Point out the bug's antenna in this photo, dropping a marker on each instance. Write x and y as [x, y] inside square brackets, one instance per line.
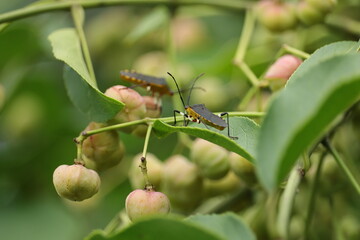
[192, 87]
[177, 86]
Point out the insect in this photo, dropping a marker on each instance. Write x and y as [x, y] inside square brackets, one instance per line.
[154, 84]
[200, 114]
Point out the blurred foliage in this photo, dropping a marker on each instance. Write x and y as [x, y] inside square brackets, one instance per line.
[38, 121]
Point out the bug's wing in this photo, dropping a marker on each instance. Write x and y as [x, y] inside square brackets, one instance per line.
[208, 115]
[138, 77]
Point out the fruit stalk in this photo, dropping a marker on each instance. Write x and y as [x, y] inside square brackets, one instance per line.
[342, 164]
[143, 158]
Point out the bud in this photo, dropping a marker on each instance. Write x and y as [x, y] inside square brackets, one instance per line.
[276, 16]
[134, 104]
[211, 159]
[76, 182]
[243, 168]
[182, 183]
[141, 203]
[103, 150]
[280, 71]
[154, 171]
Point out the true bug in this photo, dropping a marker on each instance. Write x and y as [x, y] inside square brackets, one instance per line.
[200, 114]
[154, 84]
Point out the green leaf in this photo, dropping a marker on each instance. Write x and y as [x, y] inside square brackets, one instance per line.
[82, 91]
[229, 226]
[93, 103]
[66, 47]
[324, 53]
[245, 129]
[160, 228]
[155, 19]
[301, 113]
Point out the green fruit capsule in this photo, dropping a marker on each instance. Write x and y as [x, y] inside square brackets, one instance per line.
[211, 159]
[276, 16]
[243, 168]
[153, 110]
[76, 182]
[309, 14]
[228, 184]
[142, 203]
[323, 5]
[103, 150]
[134, 109]
[182, 183]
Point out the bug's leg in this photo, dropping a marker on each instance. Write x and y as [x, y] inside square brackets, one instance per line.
[228, 123]
[176, 111]
[183, 114]
[186, 119]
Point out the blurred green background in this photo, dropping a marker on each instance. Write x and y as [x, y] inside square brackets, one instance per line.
[38, 122]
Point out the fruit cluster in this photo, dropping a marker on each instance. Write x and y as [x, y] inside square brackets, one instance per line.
[279, 16]
[209, 171]
[103, 150]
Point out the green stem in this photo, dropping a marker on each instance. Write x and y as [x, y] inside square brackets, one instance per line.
[79, 159]
[143, 158]
[66, 5]
[344, 22]
[311, 206]
[295, 51]
[86, 134]
[113, 224]
[286, 203]
[78, 15]
[342, 164]
[249, 73]
[246, 33]
[246, 99]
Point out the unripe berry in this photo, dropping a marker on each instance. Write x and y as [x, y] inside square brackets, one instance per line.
[281, 70]
[154, 171]
[323, 5]
[134, 104]
[182, 183]
[276, 16]
[141, 203]
[103, 150]
[243, 168]
[309, 14]
[211, 159]
[76, 182]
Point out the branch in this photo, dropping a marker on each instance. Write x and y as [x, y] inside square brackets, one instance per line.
[66, 5]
